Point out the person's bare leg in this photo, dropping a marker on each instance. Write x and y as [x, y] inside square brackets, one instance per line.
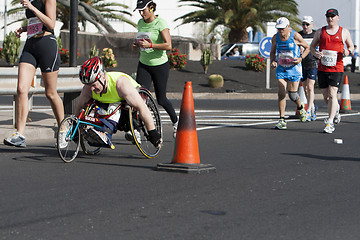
[333, 103]
[310, 93]
[282, 96]
[50, 82]
[26, 73]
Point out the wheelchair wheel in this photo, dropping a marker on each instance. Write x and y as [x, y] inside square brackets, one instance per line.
[85, 146]
[68, 139]
[137, 126]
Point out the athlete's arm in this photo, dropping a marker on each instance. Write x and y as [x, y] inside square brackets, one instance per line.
[84, 97]
[315, 43]
[165, 34]
[301, 42]
[166, 45]
[347, 41]
[273, 63]
[132, 97]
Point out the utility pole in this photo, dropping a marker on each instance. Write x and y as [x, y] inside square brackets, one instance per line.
[70, 99]
[73, 32]
[5, 18]
[357, 24]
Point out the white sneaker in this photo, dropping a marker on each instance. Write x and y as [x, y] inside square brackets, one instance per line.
[329, 128]
[63, 143]
[337, 117]
[129, 136]
[175, 125]
[99, 137]
[16, 140]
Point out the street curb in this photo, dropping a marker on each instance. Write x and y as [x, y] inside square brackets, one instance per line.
[240, 96]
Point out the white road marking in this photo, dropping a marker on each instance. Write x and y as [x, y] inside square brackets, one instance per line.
[213, 119]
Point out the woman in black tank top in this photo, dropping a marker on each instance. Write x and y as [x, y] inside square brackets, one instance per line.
[40, 50]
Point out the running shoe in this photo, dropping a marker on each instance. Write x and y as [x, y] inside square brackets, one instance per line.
[99, 137]
[175, 125]
[281, 124]
[129, 136]
[308, 117]
[313, 113]
[63, 143]
[16, 140]
[337, 117]
[329, 128]
[302, 113]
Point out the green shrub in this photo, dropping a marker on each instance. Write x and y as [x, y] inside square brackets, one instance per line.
[11, 48]
[176, 59]
[108, 58]
[59, 43]
[206, 59]
[64, 55]
[94, 52]
[255, 62]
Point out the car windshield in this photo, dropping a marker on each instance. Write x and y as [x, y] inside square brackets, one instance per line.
[225, 48]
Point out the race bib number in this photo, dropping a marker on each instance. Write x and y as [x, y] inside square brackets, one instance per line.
[329, 58]
[141, 36]
[34, 27]
[286, 59]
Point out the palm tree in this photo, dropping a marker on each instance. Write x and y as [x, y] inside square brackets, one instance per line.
[93, 11]
[237, 15]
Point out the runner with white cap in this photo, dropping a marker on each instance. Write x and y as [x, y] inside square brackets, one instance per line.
[285, 56]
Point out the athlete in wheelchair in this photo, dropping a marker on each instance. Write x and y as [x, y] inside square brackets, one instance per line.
[110, 90]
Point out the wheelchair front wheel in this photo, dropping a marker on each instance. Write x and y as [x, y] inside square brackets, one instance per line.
[87, 148]
[68, 139]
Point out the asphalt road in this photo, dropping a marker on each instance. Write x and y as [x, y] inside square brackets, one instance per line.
[269, 184]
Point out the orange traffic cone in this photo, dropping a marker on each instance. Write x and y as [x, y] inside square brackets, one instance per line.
[186, 154]
[345, 104]
[303, 98]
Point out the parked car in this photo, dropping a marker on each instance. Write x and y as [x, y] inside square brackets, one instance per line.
[347, 64]
[243, 48]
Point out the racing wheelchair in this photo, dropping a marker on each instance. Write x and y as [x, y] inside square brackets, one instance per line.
[73, 131]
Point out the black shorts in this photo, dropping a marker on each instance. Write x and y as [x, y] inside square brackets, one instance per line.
[326, 79]
[309, 74]
[42, 52]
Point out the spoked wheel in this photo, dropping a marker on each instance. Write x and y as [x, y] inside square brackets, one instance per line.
[137, 126]
[68, 139]
[87, 148]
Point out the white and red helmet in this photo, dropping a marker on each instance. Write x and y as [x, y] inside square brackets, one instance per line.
[91, 70]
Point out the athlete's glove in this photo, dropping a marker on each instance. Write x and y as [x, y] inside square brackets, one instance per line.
[155, 138]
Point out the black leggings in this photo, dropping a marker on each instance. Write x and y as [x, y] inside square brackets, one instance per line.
[159, 76]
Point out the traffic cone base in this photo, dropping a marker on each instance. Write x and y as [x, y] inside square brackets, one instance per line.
[186, 168]
[345, 104]
[186, 151]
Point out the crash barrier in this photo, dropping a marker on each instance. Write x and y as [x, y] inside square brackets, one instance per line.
[68, 83]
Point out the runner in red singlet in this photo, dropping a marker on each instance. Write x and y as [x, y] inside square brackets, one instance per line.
[331, 40]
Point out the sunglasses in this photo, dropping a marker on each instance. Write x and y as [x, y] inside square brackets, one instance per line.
[330, 16]
[306, 24]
